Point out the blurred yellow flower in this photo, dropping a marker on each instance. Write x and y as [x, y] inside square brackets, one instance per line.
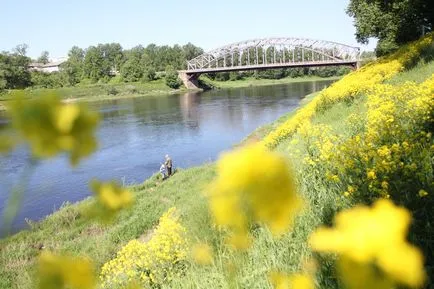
[423, 193]
[240, 240]
[301, 281]
[374, 235]
[202, 254]
[51, 127]
[56, 272]
[279, 280]
[296, 281]
[253, 185]
[110, 197]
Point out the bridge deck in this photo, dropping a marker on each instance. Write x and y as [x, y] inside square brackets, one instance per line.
[270, 66]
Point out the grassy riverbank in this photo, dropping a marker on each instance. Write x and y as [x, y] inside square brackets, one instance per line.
[95, 92]
[338, 119]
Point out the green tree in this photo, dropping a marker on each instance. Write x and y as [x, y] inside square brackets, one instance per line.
[48, 80]
[44, 58]
[3, 82]
[113, 56]
[393, 22]
[72, 69]
[93, 65]
[21, 49]
[172, 79]
[190, 51]
[131, 71]
[149, 73]
[14, 72]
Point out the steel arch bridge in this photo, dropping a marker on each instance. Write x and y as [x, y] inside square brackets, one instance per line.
[270, 53]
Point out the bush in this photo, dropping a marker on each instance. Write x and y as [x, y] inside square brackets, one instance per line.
[149, 74]
[115, 80]
[235, 76]
[131, 89]
[172, 79]
[131, 71]
[111, 90]
[223, 76]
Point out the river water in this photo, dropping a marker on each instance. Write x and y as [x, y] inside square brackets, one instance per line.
[137, 133]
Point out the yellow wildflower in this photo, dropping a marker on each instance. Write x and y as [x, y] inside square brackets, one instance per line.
[57, 272]
[334, 178]
[374, 235]
[296, 281]
[253, 185]
[350, 86]
[371, 175]
[240, 240]
[51, 127]
[302, 281]
[110, 197]
[152, 263]
[202, 254]
[423, 193]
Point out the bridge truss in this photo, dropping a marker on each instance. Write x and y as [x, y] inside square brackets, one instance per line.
[268, 53]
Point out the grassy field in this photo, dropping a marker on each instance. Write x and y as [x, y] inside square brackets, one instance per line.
[68, 231]
[103, 91]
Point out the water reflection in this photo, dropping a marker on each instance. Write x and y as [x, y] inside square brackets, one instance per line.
[188, 104]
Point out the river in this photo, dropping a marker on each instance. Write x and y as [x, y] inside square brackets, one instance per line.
[137, 133]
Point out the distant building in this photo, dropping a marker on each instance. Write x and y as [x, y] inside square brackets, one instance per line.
[52, 66]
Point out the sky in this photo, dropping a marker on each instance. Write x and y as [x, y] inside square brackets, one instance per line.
[56, 26]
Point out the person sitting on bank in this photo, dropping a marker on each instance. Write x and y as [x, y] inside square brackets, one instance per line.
[168, 165]
[163, 171]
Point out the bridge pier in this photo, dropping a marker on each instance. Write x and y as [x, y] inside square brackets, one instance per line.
[190, 80]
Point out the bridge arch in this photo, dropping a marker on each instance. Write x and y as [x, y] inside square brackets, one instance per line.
[271, 53]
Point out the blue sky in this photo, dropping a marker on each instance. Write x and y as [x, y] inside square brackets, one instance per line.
[56, 26]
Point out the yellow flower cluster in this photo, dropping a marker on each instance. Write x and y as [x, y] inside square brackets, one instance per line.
[110, 199]
[296, 281]
[152, 263]
[350, 86]
[364, 237]
[393, 151]
[253, 185]
[202, 254]
[51, 127]
[56, 272]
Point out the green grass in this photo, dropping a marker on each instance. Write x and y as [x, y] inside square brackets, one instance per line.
[417, 74]
[104, 91]
[68, 231]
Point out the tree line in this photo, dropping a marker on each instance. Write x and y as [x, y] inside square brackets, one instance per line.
[109, 62]
[96, 64]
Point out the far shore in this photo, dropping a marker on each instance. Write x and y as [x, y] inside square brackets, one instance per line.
[98, 92]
